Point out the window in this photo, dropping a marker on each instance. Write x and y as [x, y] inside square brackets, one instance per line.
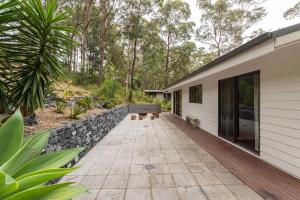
[196, 94]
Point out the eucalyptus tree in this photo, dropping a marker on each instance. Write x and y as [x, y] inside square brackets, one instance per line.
[151, 71]
[225, 22]
[107, 18]
[76, 9]
[172, 18]
[293, 12]
[135, 12]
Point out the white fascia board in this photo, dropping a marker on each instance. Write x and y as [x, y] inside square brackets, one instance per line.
[254, 53]
[287, 39]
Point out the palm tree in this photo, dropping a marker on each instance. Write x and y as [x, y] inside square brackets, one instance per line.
[34, 43]
[6, 17]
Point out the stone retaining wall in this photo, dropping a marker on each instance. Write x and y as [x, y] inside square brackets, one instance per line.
[86, 132]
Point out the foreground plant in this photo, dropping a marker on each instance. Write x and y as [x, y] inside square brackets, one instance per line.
[24, 172]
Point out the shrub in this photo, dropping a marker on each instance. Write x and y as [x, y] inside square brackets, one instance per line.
[84, 79]
[86, 102]
[76, 110]
[68, 93]
[166, 105]
[24, 172]
[108, 104]
[141, 97]
[60, 106]
[109, 90]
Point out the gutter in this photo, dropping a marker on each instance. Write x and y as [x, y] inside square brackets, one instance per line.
[245, 47]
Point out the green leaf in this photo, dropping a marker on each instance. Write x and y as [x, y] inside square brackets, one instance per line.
[7, 184]
[53, 192]
[11, 136]
[51, 160]
[42, 176]
[29, 151]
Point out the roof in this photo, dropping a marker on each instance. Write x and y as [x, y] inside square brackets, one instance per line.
[249, 45]
[154, 91]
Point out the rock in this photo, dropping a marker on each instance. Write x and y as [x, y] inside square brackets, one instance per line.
[86, 132]
[99, 105]
[30, 120]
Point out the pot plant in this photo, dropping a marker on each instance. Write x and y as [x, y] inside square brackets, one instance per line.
[25, 172]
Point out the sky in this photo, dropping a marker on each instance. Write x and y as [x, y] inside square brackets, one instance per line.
[273, 21]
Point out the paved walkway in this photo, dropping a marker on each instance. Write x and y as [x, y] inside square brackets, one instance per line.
[149, 160]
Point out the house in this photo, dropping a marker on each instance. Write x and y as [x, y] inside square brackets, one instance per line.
[159, 94]
[250, 98]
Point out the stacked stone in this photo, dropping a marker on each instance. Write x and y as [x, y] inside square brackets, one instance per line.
[85, 132]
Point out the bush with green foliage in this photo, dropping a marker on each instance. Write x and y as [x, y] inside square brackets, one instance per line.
[60, 106]
[165, 105]
[68, 93]
[141, 97]
[36, 39]
[108, 104]
[24, 172]
[84, 79]
[109, 90]
[76, 111]
[86, 102]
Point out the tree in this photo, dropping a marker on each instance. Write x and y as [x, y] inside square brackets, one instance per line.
[7, 16]
[224, 23]
[174, 29]
[134, 21]
[151, 71]
[108, 14]
[293, 12]
[33, 48]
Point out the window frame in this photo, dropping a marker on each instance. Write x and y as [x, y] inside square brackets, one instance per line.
[193, 97]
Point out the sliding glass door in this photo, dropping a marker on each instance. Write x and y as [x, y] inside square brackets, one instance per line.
[177, 103]
[227, 111]
[239, 110]
[248, 111]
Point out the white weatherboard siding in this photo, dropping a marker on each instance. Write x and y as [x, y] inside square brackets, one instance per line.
[207, 112]
[280, 112]
[279, 105]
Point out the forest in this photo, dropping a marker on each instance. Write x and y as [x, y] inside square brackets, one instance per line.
[148, 44]
[114, 45]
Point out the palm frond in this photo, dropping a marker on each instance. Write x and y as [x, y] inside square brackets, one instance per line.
[35, 42]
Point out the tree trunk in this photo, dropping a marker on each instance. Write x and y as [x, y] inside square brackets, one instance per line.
[82, 63]
[133, 68]
[103, 31]
[167, 62]
[102, 58]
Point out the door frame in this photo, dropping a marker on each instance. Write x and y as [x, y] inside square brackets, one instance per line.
[236, 110]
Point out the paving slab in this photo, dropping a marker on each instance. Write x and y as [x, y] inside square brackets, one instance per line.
[153, 160]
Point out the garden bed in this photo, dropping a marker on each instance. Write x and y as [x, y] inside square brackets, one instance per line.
[48, 119]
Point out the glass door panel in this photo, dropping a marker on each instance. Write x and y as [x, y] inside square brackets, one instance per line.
[177, 106]
[227, 109]
[248, 111]
[239, 110]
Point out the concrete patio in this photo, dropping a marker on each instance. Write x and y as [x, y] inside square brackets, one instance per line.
[153, 159]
